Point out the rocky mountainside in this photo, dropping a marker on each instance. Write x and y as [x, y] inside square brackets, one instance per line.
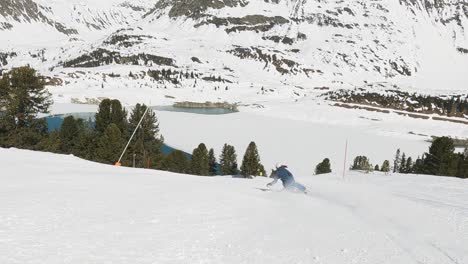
[273, 46]
[71, 18]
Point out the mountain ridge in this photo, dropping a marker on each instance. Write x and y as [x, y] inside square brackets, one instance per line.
[412, 44]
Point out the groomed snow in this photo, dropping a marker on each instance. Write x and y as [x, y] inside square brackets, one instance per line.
[60, 209]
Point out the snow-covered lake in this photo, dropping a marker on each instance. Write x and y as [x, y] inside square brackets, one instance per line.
[299, 134]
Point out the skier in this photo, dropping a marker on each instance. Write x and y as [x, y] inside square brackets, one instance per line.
[287, 178]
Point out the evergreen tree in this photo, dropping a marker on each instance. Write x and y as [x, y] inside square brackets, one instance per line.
[146, 144]
[418, 166]
[176, 161]
[200, 163]
[323, 167]
[111, 112]
[409, 165]
[87, 142]
[361, 163]
[463, 169]
[70, 133]
[386, 166]
[50, 142]
[228, 160]
[118, 115]
[251, 165]
[109, 145]
[25, 137]
[441, 158]
[402, 166]
[396, 162]
[377, 168]
[103, 115]
[22, 96]
[212, 163]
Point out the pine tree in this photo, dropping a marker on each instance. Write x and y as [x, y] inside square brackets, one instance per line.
[111, 112]
[70, 132]
[396, 162]
[409, 165]
[361, 163]
[323, 167]
[377, 168]
[441, 158]
[212, 163]
[176, 161]
[87, 144]
[200, 164]
[23, 96]
[50, 143]
[103, 119]
[463, 169]
[386, 166]
[251, 165]
[109, 145]
[25, 137]
[119, 115]
[146, 144]
[418, 166]
[402, 166]
[228, 160]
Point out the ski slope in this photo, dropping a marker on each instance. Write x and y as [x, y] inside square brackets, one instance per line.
[60, 209]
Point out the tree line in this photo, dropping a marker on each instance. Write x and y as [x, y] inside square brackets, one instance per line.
[204, 162]
[456, 105]
[440, 160]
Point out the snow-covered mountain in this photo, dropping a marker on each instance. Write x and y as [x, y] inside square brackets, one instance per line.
[249, 47]
[75, 19]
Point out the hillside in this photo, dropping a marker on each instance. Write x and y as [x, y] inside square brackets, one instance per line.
[58, 208]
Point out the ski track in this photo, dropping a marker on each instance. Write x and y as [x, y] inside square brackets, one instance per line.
[400, 235]
[60, 209]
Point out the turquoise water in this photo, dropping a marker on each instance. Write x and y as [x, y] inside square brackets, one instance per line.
[54, 123]
[201, 111]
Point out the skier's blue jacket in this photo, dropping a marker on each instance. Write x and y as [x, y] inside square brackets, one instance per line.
[285, 176]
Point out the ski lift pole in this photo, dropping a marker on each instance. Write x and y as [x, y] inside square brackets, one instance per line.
[130, 140]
